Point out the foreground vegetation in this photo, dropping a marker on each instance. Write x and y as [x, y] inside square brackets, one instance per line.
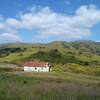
[48, 86]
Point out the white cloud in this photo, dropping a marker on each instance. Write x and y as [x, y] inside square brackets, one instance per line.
[2, 26]
[49, 23]
[8, 37]
[10, 22]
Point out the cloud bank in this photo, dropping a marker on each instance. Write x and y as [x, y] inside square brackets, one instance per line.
[49, 24]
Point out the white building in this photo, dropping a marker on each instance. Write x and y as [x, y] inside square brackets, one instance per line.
[37, 66]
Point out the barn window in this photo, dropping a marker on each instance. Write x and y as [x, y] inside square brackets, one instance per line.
[35, 68]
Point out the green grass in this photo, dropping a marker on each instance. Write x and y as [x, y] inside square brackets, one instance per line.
[69, 52]
[87, 58]
[16, 56]
[48, 86]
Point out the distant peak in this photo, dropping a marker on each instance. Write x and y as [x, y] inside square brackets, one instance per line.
[86, 41]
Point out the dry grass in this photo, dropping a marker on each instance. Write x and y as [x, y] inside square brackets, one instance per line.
[52, 86]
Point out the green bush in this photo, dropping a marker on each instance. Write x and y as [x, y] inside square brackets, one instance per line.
[76, 68]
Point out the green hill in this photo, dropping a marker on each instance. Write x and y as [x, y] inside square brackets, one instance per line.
[83, 54]
[68, 51]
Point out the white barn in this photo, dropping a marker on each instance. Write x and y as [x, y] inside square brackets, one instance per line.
[37, 66]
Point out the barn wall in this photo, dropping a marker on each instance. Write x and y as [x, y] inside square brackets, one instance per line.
[36, 69]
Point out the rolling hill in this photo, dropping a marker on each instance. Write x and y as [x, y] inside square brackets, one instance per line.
[82, 56]
[82, 50]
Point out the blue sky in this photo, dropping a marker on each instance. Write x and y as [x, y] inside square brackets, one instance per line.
[49, 20]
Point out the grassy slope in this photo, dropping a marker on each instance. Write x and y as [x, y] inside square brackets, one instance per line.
[49, 86]
[63, 47]
[84, 57]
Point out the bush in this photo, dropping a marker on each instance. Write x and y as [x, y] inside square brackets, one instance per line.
[21, 54]
[7, 69]
[19, 69]
[58, 67]
[11, 69]
[41, 52]
[76, 68]
[54, 53]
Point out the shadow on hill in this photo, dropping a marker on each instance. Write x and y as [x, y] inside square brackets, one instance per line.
[54, 56]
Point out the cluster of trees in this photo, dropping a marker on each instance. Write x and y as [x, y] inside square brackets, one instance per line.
[6, 51]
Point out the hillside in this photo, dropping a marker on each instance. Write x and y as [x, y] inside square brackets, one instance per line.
[12, 52]
[83, 54]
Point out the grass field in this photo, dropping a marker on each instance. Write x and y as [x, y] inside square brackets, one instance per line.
[48, 86]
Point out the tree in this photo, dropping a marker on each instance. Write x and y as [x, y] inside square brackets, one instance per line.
[55, 53]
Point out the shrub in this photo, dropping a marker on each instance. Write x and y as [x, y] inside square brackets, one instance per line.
[54, 53]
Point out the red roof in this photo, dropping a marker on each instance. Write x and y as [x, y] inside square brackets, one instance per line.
[36, 64]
